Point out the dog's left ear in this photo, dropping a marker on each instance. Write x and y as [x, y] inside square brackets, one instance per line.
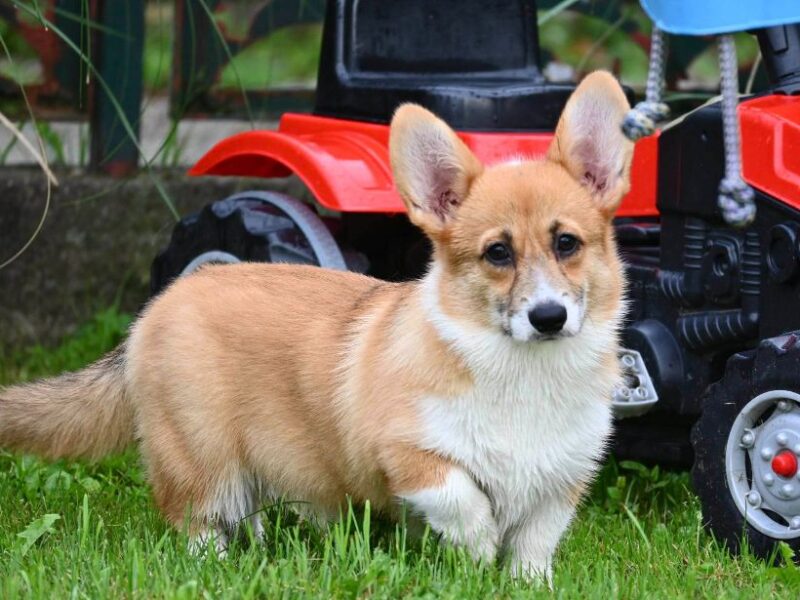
[589, 142]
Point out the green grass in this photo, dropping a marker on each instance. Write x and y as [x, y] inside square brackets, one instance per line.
[71, 529]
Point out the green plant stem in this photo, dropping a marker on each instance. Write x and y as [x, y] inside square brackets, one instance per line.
[117, 108]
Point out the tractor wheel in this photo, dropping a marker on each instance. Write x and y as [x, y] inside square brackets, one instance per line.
[747, 445]
[251, 226]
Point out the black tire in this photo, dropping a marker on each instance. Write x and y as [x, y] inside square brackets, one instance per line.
[252, 226]
[774, 365]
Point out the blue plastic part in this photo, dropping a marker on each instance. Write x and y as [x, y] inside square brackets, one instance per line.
[712, 17]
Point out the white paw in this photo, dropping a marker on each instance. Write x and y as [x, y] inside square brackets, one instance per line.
[480, 538]
[533, 571]
[211, 537]
[460, 512]
[258, 527]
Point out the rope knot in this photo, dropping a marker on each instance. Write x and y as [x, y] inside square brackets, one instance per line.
[642, 119]
[737, 202]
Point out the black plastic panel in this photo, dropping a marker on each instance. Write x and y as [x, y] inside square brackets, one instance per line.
[474, 63]
[734, 287]
[440, 38]
[780, 47]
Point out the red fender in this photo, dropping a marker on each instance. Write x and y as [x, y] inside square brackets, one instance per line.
[345, 164]
[771, 146]
[346, 168]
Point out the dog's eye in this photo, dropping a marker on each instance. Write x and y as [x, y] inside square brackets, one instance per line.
[498, 254]
[566, 245]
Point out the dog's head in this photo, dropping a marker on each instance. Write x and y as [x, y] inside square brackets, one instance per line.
[526, 247]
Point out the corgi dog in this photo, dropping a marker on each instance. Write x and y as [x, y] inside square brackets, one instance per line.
[478, 398]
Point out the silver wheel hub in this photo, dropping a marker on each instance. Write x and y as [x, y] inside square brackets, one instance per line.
[210, 257]
[761, 463]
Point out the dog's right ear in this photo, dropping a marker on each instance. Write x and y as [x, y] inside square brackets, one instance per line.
[433, 169]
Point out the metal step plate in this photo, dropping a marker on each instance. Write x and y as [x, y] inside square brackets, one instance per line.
[636, 393]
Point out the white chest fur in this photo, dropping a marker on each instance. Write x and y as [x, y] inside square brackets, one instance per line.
[521, 440]
[536, 420]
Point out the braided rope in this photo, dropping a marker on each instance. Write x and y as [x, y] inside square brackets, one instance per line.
[642, 119]
[736, 198]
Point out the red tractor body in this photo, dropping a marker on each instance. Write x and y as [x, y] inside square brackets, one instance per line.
[345, 164]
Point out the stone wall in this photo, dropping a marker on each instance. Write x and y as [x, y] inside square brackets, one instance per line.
[95, 247]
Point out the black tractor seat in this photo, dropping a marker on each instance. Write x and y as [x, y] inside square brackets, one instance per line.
[474, 63]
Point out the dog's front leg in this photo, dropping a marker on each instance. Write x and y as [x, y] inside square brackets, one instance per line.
[448, 498]
[533, 541]
[460, 512]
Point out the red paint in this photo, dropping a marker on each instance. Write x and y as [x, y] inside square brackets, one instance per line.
[785, 464]
[345, 164]
[641, 200]
[771, 146]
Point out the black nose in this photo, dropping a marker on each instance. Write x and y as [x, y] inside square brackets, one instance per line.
[548, 317]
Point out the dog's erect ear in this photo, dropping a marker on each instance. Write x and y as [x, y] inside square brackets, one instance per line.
[590, 144]
[433, 169]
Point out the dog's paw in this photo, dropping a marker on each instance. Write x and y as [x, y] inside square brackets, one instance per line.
[535, 572]
[460, 513]
[209, 540]
[481, 541]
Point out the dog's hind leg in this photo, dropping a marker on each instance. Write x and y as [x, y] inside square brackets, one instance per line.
[257, 525]
[234, 501]
[209, 537]
[211, 499]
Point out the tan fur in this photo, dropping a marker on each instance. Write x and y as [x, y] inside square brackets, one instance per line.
[306, 380]
[577, 492]
[85, 414]
[250, 393]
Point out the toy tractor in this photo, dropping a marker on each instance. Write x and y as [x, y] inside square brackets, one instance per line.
[712, 340]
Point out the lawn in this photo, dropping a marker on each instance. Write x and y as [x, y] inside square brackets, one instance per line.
[90, 530]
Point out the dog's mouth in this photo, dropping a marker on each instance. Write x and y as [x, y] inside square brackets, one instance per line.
[552, 337]
[548, 337]
[537, 337]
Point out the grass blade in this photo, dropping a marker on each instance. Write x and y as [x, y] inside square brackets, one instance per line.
[117, 108]
[40, 160]
[637, 525]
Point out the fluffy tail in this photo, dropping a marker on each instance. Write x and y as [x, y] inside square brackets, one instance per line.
[83, 414]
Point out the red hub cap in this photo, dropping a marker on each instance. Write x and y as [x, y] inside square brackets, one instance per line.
[785, 464]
